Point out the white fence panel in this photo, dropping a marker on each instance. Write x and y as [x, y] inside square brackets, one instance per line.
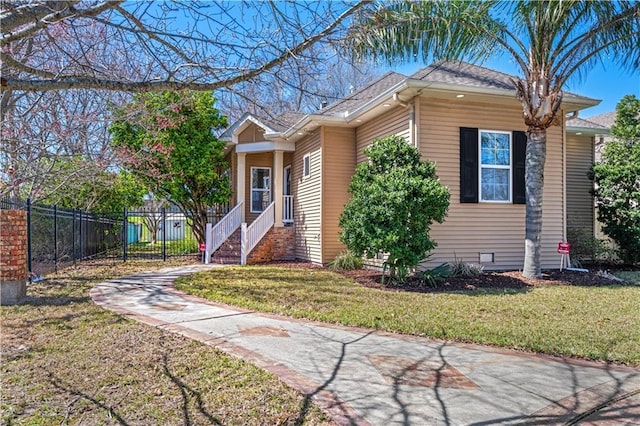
[287, 214]
[218, 234]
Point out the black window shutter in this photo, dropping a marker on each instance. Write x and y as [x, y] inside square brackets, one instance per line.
[468, 165]
[519, 155]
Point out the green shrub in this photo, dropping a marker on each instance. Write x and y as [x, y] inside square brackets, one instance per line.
[617, 182]
[346, 261]
[585, 248]
[395, 197]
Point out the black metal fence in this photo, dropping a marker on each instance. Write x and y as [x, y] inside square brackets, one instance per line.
[59, 237]
[159, 233]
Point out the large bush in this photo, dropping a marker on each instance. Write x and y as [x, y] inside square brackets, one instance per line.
[617, 182]
[395, 199]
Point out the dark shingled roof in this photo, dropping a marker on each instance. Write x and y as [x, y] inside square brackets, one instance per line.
[363, 95]
[451, 72]
[283, 121]
[448, 72]
[605, 120]
[584, 124]
[465, 74]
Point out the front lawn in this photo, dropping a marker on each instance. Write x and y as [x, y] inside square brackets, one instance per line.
[599, 323]
[66, 360]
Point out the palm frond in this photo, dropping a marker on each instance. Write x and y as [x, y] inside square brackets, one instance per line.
[407, 31]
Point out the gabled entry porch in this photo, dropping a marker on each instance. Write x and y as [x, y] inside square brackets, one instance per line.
[258, 227]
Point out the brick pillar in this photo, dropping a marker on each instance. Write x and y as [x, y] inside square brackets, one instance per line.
[13, 256]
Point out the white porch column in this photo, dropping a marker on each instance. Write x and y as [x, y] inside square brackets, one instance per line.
[241, 172]
[278, 163]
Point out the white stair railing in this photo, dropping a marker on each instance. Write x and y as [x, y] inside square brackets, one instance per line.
[251, 235]
[217, 234]
[287, 213]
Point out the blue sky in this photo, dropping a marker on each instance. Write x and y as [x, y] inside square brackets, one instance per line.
[605, 82]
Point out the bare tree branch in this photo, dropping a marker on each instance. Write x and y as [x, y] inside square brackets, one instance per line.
[222, 44]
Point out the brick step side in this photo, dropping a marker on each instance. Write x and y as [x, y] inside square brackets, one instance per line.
[277, 244]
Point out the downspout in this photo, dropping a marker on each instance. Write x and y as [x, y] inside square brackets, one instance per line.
[417, 120]
[413, 137]
[397, 100]
[412, 124]
[564, 176]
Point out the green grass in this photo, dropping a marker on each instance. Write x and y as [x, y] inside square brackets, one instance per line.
[598, 323]
[184, 246]
[65, 360]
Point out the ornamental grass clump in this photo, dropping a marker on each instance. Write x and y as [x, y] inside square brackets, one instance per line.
[346, 261]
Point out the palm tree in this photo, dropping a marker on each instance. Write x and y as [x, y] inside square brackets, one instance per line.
[550, 41]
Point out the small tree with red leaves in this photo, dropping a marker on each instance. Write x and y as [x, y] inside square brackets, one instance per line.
[167, 141]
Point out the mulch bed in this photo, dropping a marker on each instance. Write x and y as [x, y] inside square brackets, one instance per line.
[504, 280]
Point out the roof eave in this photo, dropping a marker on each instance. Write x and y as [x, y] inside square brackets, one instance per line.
[587, 130]
[570, 103]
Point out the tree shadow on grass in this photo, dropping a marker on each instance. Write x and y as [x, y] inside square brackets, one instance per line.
[187, 394]
[53, 300]
[57, 383]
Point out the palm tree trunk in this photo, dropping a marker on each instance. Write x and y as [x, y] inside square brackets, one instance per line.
[534, 181]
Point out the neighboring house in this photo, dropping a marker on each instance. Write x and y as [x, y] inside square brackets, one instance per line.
[458, 115]
[594, 131]
[176, 225]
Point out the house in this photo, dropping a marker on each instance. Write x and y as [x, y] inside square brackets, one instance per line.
[301, 165]
[593, 131]
[176, 224]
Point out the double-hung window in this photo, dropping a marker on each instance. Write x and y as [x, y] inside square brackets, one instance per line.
[495, 166]
[492, 164]
[260, 188]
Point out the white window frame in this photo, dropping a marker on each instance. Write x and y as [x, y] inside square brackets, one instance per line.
[306, 165]
[258, 189]
[495, 166]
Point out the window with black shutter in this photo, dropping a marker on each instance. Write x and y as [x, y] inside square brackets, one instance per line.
[492, 166]
[519, 155]
[468, 165]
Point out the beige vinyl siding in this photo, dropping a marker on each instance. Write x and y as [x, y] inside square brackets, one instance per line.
[287, 158]
[579, 198]
[394, 122]
[252, 133]
[307, 199]
[337, 170]
[474, 228]
[263, 159]
[232, 159]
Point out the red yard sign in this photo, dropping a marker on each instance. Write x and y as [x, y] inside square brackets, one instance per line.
[564, 248]
[203, 246]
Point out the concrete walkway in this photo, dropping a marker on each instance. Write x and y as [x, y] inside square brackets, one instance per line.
[361, 376]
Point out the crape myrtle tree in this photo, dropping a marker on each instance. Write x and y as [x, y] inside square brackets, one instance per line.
[617, 182]
[53, 142]
[395, 197]
[167, 141]
[549, 41]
